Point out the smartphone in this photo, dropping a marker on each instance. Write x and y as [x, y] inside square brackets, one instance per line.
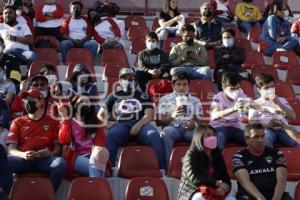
[184, 109]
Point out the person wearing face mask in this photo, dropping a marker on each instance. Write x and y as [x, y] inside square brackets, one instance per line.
[204, 167]
[153, 63]
[225, 114]
[274, 108]
[33, 141]
[248, 15]
[178, 114]
[229, 58]
[269, 10]
[133, 112]
[208, 30]
[260, 170]
[190, 56]
[76, 32]
[276, 33]
[82, 133]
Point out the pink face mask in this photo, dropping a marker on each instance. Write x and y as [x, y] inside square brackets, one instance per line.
[210, 142]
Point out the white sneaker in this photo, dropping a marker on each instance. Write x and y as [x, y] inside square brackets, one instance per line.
[280, 49]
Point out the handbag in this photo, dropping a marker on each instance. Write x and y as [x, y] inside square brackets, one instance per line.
[210, 193]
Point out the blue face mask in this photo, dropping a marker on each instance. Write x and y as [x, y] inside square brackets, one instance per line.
[1, 75]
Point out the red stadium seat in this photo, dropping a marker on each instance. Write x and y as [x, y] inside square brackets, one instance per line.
[146, 166]
[137, 45]
[47, 54]
[285, 89]
[203, 89]
[137, 32]
[111, 85]
[111, 71]
[297, 191]
[253, 58]
[238, 34]
[254, 34]
[248, 88]
[71, 66]
[52, 40]
[244, 44]
[155, 24]
[295, 104]
[293, 166]
[284, 59]
[293, 75]
[267, 69]
[170, 42]
[190, 20]
[114, 56]
[227, 156]
[176, 161]
[134, 21]
[79, 55]
[206, 104]
[36, 65]
[211, 59]
[91, 188]
[146, 188]
[32, 188]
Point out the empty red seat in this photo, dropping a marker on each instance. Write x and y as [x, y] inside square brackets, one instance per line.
[71, 66]
[190, 20]
[137, 45]
[297, 191]
[47, 54]
[285, 89]
[238, 34]
[79, 55]
[203, 89]
[293, 165]
[32, 188]
[248, 88]
[52, 40]
[295, 104]
[91, 188]
[244, 44]
[146, 188]
[111, 85]
[284, 59]
[114, 56]
[111, 70]
[170, 42]
[137, 32]
[211, 59]
[228, 153]
[254, 34]
[253, 58]
[155, 24]
[293, 75]
[176, 161]
[267, 69]
[132, 20]
[36, 65]
[147, 164]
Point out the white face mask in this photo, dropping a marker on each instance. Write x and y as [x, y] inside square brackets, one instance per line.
[286, 13]
[267, 93]
[151, 45]
[233, 94]
[51, 78]
[228, 42]
[18, 12]
[44, 93]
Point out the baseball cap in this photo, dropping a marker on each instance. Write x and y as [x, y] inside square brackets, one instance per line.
[99, 157]
[39, 77]
[32, 93]
[126, 70]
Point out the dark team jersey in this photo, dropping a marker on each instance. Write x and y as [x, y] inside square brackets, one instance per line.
[261, 169]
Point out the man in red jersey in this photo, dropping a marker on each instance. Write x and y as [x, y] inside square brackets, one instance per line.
[33, 141]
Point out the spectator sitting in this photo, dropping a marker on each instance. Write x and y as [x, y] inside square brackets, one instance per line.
[89, 141]
[190, 56]
[106, 31]
[229, 58]
[114, 8]
[6, 177]
[28, 8]
[49, 16]
[153, 63]
[178, 114]
[274, 108]
[33, 141]
[134, 112]
[208, 30]
[17, 37]
[248, 15]
[169, 21]
[225, 116]
[49, 71]
[77, 32]
[295, 30]
[222, 12]
[265, 177]
[276, 32]
[204, 167]
[269, 10]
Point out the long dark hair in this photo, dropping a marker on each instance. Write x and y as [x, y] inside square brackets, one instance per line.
[197, 141]
[167, 8]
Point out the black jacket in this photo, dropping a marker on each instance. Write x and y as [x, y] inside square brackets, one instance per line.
[195, 171]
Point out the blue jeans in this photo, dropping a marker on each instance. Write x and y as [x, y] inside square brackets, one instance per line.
[65, 45]
[82, 166]
[119, 135]
[288, 45]
[170, 135]
[247, 26]
[54, 166]
[232, 134]
[25, 57]
[202, 73]
[6, 178]
[274, 135]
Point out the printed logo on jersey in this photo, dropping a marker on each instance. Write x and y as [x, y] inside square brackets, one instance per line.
[261, 171]
[237, 163]
[250, 162]
[130, 106]
[46, 127]
[269, 159]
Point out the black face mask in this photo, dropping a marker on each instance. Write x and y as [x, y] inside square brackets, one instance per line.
[30, 106]
[189, 41]
[207, 13]
[77, 13]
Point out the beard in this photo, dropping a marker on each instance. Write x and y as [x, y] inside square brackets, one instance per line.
[10, 21]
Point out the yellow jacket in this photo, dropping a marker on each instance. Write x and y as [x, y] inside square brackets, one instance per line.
[247, 12]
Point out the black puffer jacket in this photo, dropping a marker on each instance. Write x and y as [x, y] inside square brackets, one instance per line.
[195, 171]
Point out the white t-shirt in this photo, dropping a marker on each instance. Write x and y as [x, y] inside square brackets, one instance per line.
[222, 6]
[19, 30]
[51, 23]
[105, 30]
[77, 28]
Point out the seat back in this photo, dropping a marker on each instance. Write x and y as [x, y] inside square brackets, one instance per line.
[79, 55]
[155, 24]
[203, 89]
[254, 34]
[32, 188]
[132, 20]
[137, 32]
[292, 75]
[111, 70]
[146, 165]
[228, 153]
[295, 104]
[137, 45]
[211, 59]
[247, 88]
[176, 161]
[244, 44]
[170, 42]
[284, 89]
[36, 65]
[52, 40]
[47, 54]
[71, 66]
[114, 56]
[267, 69]
[146, 188]
[284, 59]
[253, 58]
[293, 166]
[90, 188]
[111, 85]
